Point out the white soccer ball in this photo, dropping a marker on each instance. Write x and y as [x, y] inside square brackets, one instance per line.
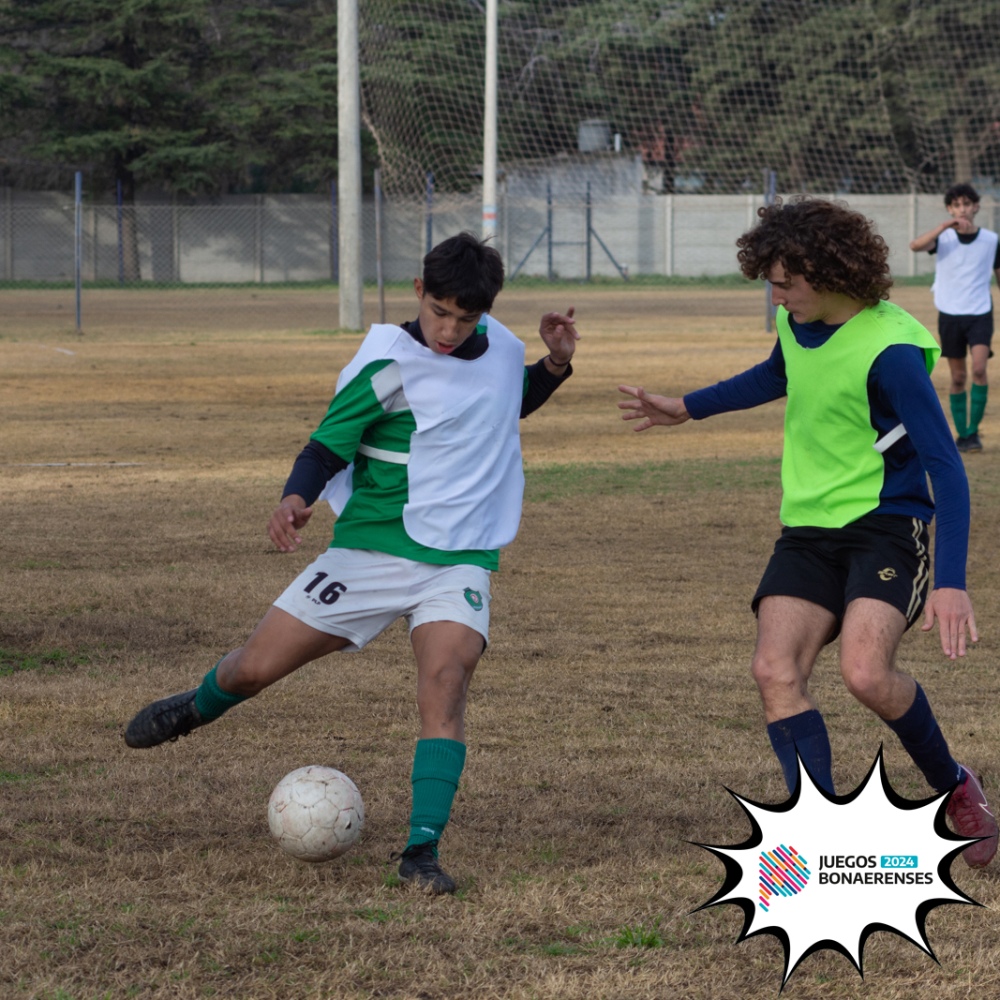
[315, 813]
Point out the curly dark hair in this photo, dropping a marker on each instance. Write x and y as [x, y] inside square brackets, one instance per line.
[832, 247]
[957, 191]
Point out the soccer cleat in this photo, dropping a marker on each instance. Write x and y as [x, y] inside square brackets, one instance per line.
[166, 719]
[419, 866]
[962, 443]
[972, 442]
[971, 817]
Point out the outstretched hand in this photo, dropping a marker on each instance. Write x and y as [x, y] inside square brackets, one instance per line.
[289, 517]
[559, 332]
[953, 610]
[651, 409]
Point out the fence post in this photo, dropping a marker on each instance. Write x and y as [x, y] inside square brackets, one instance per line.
[78, 244]
[8, 234]
[548, 222]
[913, 227]
[378, 245]
[175, 234]
[334, 237]
[668, 235]
[258, 239]
[429, 214]
[770, 193]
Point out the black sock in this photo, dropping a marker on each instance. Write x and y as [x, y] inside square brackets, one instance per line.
[923, 740]
[807, 733]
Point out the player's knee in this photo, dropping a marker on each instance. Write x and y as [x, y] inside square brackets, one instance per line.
[867, 685]
[242, 673]
[958, 381]
[773, 673]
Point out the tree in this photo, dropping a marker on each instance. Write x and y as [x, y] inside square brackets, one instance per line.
[941, 62]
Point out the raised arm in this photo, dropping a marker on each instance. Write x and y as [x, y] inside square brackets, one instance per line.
[558, 331]
[928, 239]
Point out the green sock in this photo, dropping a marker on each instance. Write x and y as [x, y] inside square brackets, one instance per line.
[959, 413]
[437, 766]
[978, 406]
[211, 701]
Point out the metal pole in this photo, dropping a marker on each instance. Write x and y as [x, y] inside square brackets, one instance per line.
[349, 165]
[120, 201]
[490, 125]
[548, 222]
[378, 245]
[334, 229]
[590, 229]
[429, 237]
[78, 246]
[770, 192]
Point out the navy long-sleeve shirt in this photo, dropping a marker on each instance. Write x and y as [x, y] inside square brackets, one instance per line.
[899, 391]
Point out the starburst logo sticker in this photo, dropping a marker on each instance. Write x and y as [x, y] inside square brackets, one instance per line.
[821, 871]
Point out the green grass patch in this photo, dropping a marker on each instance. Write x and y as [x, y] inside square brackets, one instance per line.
[640, 936]
[692, 476]
[13, 661]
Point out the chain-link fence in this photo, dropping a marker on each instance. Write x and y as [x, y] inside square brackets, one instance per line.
[546, 228]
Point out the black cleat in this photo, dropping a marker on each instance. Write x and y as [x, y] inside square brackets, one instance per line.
[963, 443]
[419, 866]
[972, 442]
[166, 719]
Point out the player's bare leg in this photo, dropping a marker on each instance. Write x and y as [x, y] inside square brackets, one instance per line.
[978, 394]
[871, 634]
[280, 644]
[958, 400]
[869, 638]
[447, 654]
[790, 634]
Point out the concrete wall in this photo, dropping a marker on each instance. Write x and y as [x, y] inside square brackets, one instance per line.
[289, 238]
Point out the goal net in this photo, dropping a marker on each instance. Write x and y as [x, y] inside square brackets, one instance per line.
[862, 96]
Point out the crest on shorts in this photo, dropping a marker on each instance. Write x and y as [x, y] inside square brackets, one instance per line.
[474, 598]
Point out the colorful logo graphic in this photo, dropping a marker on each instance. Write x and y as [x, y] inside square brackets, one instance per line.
[474, 598]
[783, 872]
[876, 861]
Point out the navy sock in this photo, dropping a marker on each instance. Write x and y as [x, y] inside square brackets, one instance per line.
[807, 733]
[923, 740]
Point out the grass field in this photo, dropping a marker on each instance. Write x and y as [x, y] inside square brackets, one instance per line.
[610, 714]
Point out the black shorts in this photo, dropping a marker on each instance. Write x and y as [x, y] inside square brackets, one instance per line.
[881, 556]
[958, 333]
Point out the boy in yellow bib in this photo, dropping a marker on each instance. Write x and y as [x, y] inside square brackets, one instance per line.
[863, 431]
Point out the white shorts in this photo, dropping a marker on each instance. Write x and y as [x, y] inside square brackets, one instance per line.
[358, 594]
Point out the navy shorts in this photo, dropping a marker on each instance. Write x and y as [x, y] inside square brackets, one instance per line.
[881, 556]
[958, 333]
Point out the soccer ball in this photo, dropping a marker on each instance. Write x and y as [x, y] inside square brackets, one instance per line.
[315, 813]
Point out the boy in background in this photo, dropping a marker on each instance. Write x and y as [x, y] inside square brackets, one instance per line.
[967, 257]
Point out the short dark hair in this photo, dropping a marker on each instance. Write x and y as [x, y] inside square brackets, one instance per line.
[466, 269]
[834, 248]
[957, 191]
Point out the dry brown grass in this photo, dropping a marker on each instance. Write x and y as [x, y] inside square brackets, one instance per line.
[611, 712]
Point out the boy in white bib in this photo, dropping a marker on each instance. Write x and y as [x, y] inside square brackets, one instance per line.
[967, 257]
[419, 455]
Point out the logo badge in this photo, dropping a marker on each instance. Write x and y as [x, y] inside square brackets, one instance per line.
[474, 598]
[887, 574]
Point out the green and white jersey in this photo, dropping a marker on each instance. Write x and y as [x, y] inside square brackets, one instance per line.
[434, 446]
